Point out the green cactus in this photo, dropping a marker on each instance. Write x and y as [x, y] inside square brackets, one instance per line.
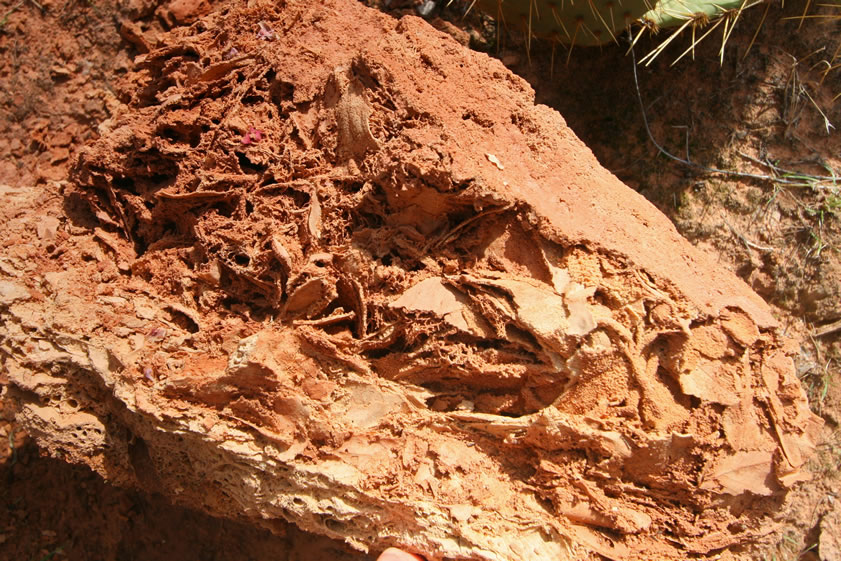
[693, 14]
[575, 22]
[596, 22]
[675, 13]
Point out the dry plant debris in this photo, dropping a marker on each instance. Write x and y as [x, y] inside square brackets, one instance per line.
[292, 284]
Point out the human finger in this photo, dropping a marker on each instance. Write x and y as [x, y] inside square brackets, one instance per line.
[394, 554]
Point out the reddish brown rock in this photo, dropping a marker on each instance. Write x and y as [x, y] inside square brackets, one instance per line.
[353, 278]
[182, 12]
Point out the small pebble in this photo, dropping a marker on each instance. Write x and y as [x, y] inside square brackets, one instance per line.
[425, 8]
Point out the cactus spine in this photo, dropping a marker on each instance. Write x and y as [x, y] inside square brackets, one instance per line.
[596, 22]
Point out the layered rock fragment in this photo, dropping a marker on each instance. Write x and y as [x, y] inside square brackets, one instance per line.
[348, 275]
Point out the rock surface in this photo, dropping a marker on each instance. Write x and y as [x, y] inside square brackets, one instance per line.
[332, 268]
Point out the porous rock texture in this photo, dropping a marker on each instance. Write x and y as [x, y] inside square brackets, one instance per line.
[332, 268]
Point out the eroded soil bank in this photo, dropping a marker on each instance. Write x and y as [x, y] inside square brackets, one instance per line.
[332, 268]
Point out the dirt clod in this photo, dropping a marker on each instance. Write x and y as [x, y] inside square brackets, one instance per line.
[360, 322]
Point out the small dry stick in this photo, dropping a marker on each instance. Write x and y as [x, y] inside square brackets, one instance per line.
[827, 329]
[10, 12]
[746, 241]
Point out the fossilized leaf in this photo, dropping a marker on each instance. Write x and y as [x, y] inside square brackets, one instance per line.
[352, 114]
[581, 321]
[539, 308]
[744, 471]
[314, 217]
[306, 295]
[365, 406]
[740, 327]
[11, 292]
[740, 426]
[710, 381]
[432, 295]
[366, 454]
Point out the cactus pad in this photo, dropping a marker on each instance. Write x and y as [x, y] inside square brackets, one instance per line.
[596, 22]
[674, 13]
[577, 22]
